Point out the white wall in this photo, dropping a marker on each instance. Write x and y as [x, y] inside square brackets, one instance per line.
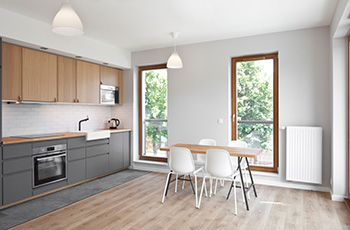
[27, 30]
[200, 92]
[21, 119]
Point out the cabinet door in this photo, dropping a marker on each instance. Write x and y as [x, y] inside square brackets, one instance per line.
[17, 187]
[96, 166]
[76, 171]
[66, 79]
[88, 84]
[39, 76]
[126, 149]
[11, 72]
[109, 76]
[116, 151]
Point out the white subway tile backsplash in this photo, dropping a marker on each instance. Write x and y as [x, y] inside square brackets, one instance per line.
[25, 119]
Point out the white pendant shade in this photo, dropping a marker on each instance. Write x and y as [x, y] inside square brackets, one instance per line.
[174, 61]
[67, 22]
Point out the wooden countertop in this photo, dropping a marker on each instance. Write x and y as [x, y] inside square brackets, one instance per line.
[16, 140]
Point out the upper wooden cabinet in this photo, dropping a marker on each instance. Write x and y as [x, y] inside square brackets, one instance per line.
[88, 82]
[11, 72]
[111, 76]
[67, 79]
[39, 76]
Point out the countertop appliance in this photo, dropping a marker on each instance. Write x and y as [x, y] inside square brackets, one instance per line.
[49, 164]
[114, 123]
[109, 94]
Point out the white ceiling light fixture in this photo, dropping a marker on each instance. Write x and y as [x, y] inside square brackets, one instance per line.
[67, 22]
[174, 61]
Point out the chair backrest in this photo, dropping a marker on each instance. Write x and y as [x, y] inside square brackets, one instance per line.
[180, 160]
[237, 143]
[218, 163]
[207, 142]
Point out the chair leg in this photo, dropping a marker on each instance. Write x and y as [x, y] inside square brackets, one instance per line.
[206, 192]
[216, 186]
[235, 196]
[229, 192]
[211, 186]
[166, 186]
[183, 182]
[177, 175]
[195, 184]
[200, 197]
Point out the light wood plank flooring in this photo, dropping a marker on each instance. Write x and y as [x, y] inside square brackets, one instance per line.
[137, 205]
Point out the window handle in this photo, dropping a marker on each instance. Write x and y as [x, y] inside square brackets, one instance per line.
[233, 117]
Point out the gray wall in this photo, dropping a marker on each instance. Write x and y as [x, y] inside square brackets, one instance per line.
[200, 92]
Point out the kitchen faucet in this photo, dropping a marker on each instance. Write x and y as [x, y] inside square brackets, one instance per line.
[86, 119]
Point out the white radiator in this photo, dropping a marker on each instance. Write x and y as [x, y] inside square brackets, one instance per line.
[304, 154]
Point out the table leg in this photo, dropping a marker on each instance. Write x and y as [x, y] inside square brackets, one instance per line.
[242, 182]
[251, 177]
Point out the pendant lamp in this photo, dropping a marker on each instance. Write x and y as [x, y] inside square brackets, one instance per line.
[67, 22]
[174, 61]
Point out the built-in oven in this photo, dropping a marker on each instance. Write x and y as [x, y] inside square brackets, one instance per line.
[109, 94]
[49, 164]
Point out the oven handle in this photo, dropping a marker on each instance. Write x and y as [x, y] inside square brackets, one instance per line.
[49, 156]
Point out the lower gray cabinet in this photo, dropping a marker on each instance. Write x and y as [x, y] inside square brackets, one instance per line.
[76, 171]
[116, 151]
[126, 149]
[96, 166]
[17, 187]
[0, 176]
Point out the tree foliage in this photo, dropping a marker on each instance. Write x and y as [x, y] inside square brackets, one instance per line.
[254, 102]
[156, 107]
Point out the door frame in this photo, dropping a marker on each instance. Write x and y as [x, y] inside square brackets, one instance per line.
[234, 60]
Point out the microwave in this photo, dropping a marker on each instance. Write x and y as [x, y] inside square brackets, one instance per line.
[109, 94]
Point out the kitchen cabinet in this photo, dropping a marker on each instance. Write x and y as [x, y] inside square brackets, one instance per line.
[112, 76]
[17, 187]
[116, 151]
[119, 151]
[39, 76]
[66, 79]
[11, 72]
[88, 82]
[16, 172]
[76, 171]
[76, 160]
[96, 166]
[0, 176]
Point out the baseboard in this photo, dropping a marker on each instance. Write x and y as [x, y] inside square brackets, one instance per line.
[340, 198]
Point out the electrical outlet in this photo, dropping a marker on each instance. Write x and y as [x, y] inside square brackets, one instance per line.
[220, 121]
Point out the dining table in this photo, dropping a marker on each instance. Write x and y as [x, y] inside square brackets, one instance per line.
[242, 155]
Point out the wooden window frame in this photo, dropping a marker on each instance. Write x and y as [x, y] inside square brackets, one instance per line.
[141, 69]
[274, 57]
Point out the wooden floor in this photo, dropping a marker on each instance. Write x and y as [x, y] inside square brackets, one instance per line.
[137, 205]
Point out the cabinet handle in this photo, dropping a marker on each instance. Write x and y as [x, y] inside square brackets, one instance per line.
[78, 100]
[19, 98]
[55, 100]
[101, 83]
[74, 100]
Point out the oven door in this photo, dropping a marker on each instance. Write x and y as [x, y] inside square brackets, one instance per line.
[49, 168]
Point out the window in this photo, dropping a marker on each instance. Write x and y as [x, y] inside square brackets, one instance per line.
[153, 117]
[255, 107]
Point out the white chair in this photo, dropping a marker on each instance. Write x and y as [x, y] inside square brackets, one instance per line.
[200, 158]
[181, 162]
[218, 166]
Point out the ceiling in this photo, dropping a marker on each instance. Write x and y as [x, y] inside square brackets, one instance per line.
[146, 24]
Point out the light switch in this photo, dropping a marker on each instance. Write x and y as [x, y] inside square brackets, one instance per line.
[220, 121]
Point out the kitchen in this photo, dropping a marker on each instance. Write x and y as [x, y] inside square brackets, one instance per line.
[206, 69]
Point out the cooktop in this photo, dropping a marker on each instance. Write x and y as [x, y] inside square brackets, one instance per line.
[32, 136]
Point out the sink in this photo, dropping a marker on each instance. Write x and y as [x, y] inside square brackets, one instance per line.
[96, 134]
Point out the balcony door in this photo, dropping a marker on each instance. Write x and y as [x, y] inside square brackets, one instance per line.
[255, 107]
[153, 116]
